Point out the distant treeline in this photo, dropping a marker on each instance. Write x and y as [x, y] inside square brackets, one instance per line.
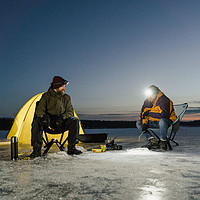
[6, 123]
[92, 124]
[192, 123]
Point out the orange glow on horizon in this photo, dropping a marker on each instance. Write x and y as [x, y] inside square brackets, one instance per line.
[191, 117]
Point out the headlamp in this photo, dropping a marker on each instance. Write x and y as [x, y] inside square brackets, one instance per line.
[65, 82]
[149, 92]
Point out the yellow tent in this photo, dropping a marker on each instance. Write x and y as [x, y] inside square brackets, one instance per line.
[21, 127]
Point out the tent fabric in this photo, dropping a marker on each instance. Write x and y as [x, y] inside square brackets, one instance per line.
[21, 127]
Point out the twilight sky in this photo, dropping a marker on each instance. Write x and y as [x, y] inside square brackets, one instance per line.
[109, 50]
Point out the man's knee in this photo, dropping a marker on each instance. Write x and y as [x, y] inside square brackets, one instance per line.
[162, 122]
[74, 120]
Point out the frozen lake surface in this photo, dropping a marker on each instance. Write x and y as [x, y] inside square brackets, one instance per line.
[132, 173]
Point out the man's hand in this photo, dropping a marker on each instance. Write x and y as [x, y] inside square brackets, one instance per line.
[59, 122]
[144, 128]
[45, 121]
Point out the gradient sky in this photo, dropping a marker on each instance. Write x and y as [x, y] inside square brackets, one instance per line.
[109, 50]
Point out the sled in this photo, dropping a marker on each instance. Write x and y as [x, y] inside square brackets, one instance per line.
[93, 138]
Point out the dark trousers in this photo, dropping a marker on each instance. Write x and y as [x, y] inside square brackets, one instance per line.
[71, 124]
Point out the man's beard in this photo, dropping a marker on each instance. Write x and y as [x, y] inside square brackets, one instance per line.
[62, 92]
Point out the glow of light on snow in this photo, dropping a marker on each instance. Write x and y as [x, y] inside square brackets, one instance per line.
[153, 190]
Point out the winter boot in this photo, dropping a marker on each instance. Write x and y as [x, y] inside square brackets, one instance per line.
[73, 151]
[36, 150]
[163, 146]
[152, 144]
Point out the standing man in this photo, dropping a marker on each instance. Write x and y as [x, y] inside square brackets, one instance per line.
[157, 112]
[55, 112]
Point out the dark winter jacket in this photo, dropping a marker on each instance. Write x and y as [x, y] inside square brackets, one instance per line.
[56, 104]
[162, 107]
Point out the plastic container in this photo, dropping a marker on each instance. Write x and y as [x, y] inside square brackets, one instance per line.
[97, 150]
[103, 147]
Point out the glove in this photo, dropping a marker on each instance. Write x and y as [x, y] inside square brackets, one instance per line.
[144, 128]
[59, 122]
[45, 121]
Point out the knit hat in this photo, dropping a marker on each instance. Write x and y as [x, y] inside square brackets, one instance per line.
[58, 82]
[155, 90]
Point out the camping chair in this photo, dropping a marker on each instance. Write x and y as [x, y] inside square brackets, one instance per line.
[173, 129]
[48, 144]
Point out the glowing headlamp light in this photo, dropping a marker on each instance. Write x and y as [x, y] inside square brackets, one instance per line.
[65, 82]
[149, 92]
